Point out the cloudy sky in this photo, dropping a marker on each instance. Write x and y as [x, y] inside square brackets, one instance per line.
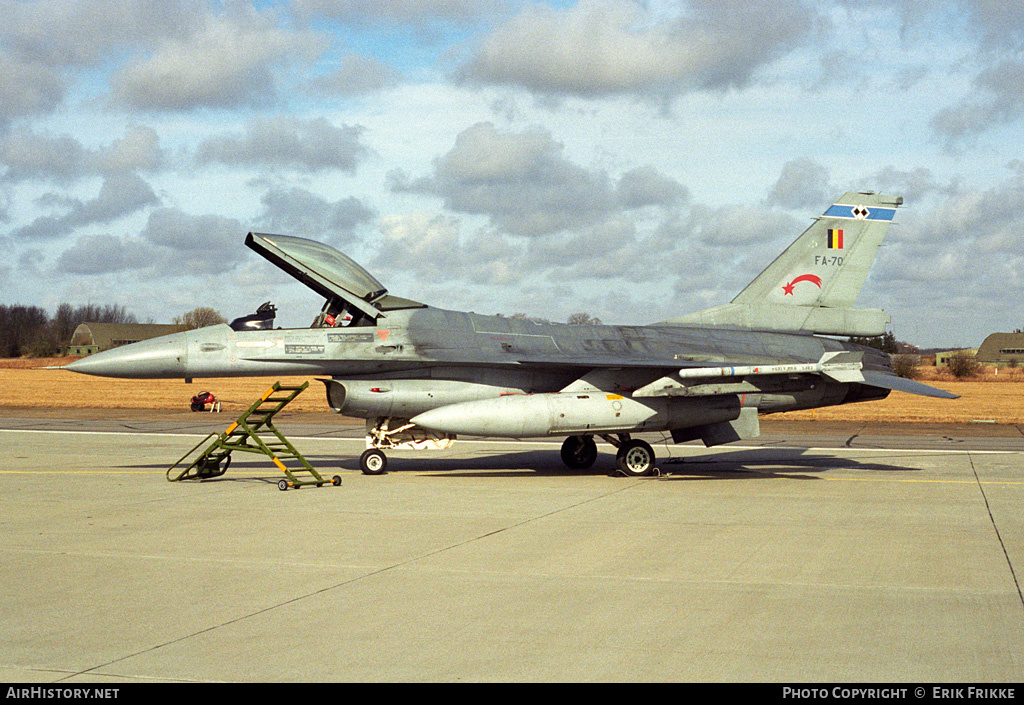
[633, 160]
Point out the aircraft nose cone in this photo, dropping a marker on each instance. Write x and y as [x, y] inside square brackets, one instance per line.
[162, 357]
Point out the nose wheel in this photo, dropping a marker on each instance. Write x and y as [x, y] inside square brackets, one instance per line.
[373, 462]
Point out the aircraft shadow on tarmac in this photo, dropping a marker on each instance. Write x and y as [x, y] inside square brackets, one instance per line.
[762, 463]
[766, 463]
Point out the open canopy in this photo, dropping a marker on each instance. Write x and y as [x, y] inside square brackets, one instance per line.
[328, 272]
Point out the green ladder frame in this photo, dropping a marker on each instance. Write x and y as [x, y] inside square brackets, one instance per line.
[254, 432]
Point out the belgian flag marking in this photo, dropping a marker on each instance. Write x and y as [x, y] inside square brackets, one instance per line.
[835, 239]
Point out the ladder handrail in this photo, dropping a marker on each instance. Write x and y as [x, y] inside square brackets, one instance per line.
[178, 462]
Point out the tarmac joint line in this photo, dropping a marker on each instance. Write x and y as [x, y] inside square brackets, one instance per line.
[300, 598]
[995, 527]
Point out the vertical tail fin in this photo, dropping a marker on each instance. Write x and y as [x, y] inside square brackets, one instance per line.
[813, 284]
[828, 264]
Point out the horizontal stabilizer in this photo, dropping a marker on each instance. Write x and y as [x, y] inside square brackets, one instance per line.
[902, 384]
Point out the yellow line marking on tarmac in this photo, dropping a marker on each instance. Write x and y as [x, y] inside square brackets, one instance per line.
[971, 481]
[108, 472]
[551, 443]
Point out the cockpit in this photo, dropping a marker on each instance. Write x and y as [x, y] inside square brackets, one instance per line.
[336, 314]
[353, 296]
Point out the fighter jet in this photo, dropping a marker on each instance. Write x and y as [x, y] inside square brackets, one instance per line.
[420, 376]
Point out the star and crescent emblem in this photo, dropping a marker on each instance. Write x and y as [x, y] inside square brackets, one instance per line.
[812, 278]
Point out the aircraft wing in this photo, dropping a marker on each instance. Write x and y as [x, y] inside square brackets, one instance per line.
[707, 376]
[588, 361]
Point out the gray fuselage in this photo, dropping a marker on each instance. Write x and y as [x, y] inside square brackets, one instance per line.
[430, 357]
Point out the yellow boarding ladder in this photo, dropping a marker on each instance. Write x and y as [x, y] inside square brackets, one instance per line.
[254, 432]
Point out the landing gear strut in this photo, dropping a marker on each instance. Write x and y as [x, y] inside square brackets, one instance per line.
[390, 433]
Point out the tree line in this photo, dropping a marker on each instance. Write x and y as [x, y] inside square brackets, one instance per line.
[29, 331]
[32, 331]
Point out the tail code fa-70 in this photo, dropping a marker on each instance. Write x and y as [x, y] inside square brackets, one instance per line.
[421, 375]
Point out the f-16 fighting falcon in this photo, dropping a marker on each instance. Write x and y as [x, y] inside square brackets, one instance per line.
[421, 375]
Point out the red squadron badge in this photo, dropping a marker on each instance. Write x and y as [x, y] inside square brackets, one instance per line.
[813, 278]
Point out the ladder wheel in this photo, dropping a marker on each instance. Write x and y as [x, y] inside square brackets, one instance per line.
[207, 467]
[282, 485]
[336, 480]
[373, 462]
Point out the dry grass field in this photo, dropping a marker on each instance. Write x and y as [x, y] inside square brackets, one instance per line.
[23, 383]
[989, 398]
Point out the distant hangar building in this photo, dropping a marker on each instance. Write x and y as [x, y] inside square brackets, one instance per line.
[1002, 350]
[942, 358]
[90, 338]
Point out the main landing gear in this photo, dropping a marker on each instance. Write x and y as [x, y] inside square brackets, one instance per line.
[635, 458]
[579, 452]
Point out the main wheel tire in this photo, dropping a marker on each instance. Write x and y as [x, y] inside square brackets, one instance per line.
[579, 452]
[373, 462]
[635, 458]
